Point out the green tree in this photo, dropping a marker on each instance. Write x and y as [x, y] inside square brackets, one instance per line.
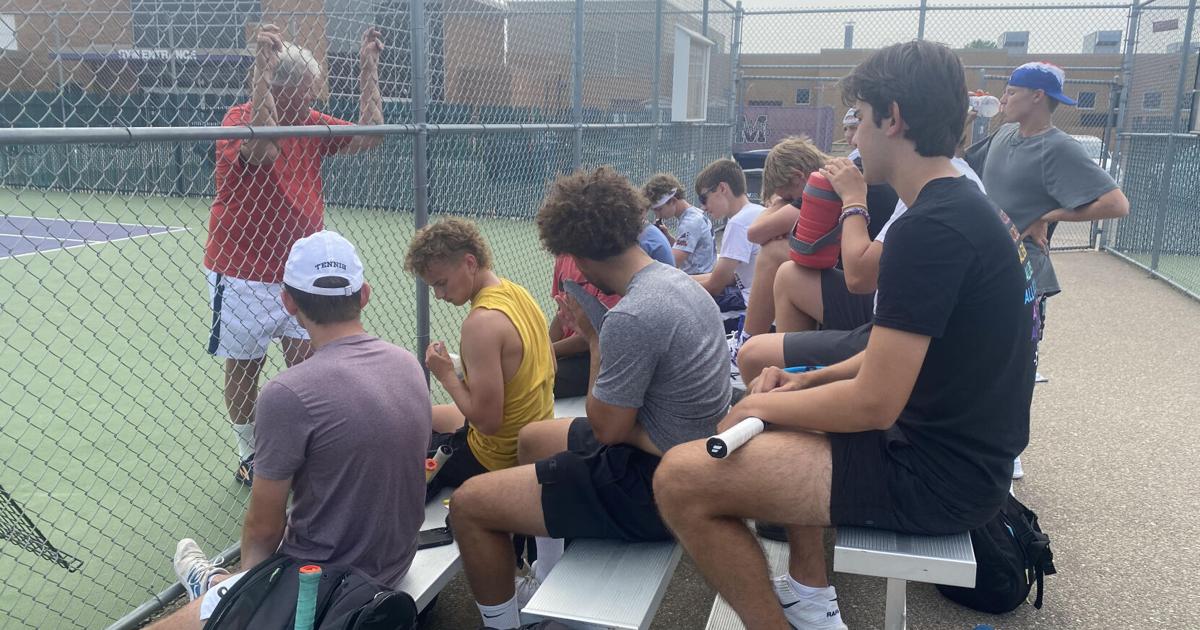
[985, 44]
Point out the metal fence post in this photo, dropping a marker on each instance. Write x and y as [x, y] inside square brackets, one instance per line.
[704, 20]
[735, 82]
[577, 90]
[656, 87]
[1127, 58]
[420, 105]
[1106, 162]
[921, 19]
[1164, 196]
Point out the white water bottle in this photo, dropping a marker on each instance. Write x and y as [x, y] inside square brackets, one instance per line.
[986, 105]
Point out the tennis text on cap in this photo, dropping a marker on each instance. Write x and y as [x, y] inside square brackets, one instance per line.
[328, 264]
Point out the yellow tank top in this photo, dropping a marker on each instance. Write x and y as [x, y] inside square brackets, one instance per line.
[529, 394]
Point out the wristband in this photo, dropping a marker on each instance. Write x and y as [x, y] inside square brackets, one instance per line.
[855, 209]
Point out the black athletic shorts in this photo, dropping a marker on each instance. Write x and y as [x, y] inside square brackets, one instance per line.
[456, 470]
[872, 488]
[843, 310]
[823, 347]
[596, 491]
[571, 377]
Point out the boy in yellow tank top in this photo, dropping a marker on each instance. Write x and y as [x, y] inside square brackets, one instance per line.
[507, 361]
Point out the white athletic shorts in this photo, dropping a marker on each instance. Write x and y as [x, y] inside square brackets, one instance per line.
[246, 316]
[212, 596]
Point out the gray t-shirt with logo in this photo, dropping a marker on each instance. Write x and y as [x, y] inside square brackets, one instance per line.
[695, 236]
[1028, 177]
[350, 426]
[663, 352]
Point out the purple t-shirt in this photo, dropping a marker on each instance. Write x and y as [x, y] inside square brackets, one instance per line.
[350, 426]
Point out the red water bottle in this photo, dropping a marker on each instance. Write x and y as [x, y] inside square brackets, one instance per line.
[816, 238]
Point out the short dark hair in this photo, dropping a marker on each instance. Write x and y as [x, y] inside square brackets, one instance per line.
[726, 171]
[327, 309]
[591, 214]
[925, 80]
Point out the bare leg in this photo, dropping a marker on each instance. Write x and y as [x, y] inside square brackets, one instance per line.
[704, 501]
[760, 312]
[798, 302]
[447, 419]
[295, 350]
[241, 388]
[186, 618]
[760, 352]
[485, 512]
[806, 556]
[539, 440]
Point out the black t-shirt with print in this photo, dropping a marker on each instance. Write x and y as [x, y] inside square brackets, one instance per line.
[952, 270]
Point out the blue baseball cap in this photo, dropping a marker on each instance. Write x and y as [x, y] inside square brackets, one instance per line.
[1039, 75]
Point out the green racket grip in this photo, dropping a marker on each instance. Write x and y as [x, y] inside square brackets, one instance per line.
[306, 597]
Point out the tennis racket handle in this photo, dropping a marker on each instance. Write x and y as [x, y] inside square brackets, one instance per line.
[730, 440]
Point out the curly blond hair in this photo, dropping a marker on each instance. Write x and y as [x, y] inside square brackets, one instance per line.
[447, 240]
[794, 156]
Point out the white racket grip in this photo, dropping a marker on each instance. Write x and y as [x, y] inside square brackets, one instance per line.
[722, 444]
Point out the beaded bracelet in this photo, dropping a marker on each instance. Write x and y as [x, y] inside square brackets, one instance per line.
[855, 209]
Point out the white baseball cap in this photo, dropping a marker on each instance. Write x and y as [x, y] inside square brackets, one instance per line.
[851, 118]
[323, 255]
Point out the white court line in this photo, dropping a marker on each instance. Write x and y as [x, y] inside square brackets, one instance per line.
[87, 244]
[48, 219]
[47, 238]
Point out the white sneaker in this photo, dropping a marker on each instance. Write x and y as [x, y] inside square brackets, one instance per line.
[194, 569]
[808, 614]
[527, 586]
[1018, 471]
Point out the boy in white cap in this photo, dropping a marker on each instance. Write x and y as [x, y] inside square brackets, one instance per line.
[1039, 175]
[332, 432]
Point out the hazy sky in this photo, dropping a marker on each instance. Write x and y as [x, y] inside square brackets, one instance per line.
[1051, 30]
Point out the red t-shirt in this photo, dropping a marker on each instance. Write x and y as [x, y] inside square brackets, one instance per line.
[565, 269]
[261, 210]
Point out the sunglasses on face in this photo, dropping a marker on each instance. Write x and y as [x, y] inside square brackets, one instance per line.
[703, 197]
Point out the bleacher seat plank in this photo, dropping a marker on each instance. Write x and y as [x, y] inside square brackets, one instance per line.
[432, 568]
[605, 584]
[946, 560]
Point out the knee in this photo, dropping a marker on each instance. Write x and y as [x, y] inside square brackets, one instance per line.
[679, 479]
[753, 357]
[467, 504]
[527, 440]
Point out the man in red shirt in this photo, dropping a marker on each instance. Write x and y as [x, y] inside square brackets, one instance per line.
[269, 195]
[571, 350]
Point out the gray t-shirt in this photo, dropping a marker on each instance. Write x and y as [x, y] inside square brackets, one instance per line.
[1028, 177]
[350, 426]
[663, 352]
[695, 236]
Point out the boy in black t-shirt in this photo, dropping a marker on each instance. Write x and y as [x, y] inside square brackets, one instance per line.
[915, 434]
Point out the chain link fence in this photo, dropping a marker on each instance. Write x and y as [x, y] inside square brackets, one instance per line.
[1114, 54]
[115, 440]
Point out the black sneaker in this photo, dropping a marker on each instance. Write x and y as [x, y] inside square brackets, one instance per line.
[245, 472]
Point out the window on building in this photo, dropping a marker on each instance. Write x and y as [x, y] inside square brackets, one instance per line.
[8, 31]
[803, 96]
[689, 85]
[193, 24]
[1152, 100]
[1087, 100]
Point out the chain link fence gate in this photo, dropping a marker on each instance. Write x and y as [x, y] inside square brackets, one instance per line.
[114, 431]
[1126, 64]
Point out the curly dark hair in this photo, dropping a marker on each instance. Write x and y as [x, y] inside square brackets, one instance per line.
[925, 80]
[446, 240]
[594, 215]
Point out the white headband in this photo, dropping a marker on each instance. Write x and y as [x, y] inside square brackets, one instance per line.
[662, 201]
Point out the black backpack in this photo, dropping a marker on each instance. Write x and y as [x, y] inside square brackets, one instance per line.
[347, 599]
[1011, 555]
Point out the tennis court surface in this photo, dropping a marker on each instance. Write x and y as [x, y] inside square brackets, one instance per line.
[21, 235]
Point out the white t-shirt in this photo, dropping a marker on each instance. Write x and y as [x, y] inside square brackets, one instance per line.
[736, 245]
[962, 167]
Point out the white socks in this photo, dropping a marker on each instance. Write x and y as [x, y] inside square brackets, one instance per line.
[549, 552]
[245, 439]
[808, 592]
[501, 616]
